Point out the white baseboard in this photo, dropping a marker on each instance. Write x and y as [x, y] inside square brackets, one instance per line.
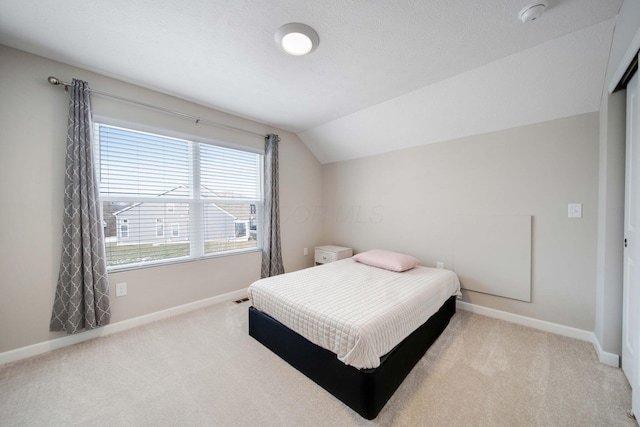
[567, 331]
[54, 344]
[607, 358]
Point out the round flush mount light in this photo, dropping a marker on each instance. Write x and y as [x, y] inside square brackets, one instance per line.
[533, 11]
[297, 39]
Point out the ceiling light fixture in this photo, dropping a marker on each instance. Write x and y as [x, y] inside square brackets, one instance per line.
[533, 11]
[297, 39]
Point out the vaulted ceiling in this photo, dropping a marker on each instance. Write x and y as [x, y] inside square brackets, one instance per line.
[387, 74]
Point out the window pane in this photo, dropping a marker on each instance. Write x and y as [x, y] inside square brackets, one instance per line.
[142, 164]
[135, 232]
[228, 173]
[229, 227]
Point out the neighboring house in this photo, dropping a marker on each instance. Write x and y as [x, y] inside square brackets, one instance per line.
[162, 222]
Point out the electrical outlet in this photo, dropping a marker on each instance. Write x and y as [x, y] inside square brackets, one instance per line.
[440, 264]
[121, 289]
[305, 251]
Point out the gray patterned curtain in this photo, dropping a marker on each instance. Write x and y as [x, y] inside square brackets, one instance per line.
[82, 293]
[271, 250]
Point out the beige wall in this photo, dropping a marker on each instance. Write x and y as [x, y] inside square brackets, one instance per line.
[33, 117]
[402, 201]
[406, 200]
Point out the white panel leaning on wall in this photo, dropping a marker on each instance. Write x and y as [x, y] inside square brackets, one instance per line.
[492, 254]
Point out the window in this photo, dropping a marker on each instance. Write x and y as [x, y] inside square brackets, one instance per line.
[206, 194]
[159, 227]
[241, 229]
[175, 230]
[124, 228]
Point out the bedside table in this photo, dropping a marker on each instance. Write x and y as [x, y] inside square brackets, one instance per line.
[326, 254]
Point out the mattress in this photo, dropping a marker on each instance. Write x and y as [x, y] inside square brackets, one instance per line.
[358, 312]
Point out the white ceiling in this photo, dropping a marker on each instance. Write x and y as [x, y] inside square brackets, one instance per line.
[388, 74]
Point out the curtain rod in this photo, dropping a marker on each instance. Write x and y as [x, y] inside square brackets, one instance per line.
[57, 82]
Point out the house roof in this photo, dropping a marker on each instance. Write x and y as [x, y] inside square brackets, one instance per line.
[237, 212]
[387, 74]
[164, 193]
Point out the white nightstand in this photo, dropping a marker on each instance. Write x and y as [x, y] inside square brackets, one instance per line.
[326, 254]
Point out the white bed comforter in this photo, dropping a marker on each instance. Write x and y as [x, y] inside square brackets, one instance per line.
[356, 311]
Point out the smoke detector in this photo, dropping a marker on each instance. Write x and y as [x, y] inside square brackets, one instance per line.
[533, 11]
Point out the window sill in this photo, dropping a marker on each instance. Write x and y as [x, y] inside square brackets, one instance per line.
[118, 269]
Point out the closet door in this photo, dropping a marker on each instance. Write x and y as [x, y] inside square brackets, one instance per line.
[631, 283]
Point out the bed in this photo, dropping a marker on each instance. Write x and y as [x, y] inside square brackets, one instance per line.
[354, 329]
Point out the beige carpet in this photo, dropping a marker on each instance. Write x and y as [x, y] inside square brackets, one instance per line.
[202, 369]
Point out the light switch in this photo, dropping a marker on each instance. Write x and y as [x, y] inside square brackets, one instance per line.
[575, 210]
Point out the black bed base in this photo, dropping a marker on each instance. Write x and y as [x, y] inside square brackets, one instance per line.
[366, 391]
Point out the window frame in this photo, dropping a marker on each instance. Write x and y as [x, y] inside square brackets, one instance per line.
[198, 203]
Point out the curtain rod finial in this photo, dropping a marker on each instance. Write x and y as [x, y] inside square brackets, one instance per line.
[53, 80]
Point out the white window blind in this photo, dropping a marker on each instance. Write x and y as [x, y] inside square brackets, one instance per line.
[166, 199]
